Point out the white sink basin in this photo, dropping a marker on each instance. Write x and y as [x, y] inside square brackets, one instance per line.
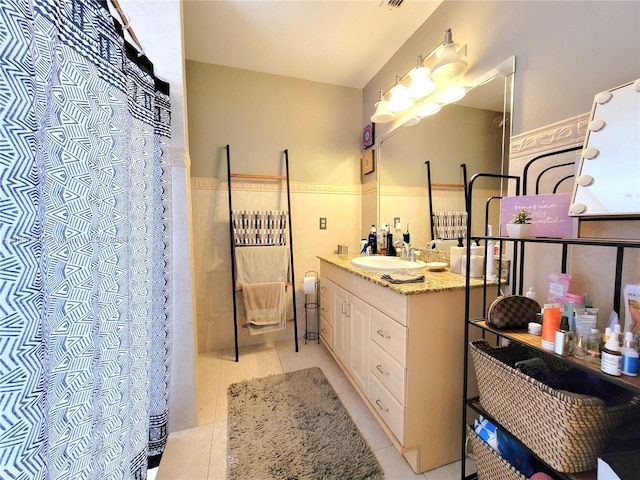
[386, 263]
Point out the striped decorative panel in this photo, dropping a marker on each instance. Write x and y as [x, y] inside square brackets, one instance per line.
[259, 227]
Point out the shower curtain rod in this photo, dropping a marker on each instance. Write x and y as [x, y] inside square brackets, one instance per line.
[126, 26]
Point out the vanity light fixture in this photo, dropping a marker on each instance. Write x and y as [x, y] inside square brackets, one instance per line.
[432, 73]
[382, 114]
[421, 84]
[451, 62]
[399, 97]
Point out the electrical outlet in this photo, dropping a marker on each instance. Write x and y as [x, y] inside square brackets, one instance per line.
[323, 223]
[396, 221]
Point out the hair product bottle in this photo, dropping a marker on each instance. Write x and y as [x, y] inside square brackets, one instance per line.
[550, 325]
[373, 240]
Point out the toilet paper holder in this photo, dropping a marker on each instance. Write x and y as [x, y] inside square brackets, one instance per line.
[311, 305]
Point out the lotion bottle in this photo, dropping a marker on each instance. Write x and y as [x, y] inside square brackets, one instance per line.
[611, 357]
[629, 356]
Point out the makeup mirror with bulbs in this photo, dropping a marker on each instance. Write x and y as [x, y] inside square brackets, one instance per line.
[608, 175]
[474, 131]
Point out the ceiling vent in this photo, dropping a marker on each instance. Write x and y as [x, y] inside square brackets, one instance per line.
[392, 3]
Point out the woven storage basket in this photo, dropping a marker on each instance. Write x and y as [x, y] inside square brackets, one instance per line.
[489, 463]
[566, 431]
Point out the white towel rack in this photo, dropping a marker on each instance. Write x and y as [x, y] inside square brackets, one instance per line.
[232, 242]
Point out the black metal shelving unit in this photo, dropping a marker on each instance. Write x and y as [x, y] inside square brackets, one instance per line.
[521, 336]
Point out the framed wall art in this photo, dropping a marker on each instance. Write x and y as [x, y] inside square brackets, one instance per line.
[368, 161]
[368, 136]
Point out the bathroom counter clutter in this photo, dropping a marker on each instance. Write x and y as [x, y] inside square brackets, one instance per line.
[440, 281]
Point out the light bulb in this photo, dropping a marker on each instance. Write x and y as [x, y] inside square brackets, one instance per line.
[421, 84]
[399, 98]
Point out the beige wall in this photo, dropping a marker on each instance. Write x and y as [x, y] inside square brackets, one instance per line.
[259, 115]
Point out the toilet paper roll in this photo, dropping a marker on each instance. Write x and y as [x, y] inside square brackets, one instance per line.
[309, 285]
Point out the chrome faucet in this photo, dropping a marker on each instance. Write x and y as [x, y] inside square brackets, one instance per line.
[407, 251]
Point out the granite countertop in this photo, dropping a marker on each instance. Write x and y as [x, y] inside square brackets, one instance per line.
[433, 281]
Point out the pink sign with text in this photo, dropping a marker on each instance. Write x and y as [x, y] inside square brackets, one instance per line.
[549, 214]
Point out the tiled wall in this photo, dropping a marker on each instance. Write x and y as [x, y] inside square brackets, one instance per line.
[340, 204]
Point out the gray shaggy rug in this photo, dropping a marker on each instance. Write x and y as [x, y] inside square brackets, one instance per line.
[293, 427]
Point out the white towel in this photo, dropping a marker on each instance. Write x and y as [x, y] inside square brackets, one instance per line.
[262, 264]
[264, 306]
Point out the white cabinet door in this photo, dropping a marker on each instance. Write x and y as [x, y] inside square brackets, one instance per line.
[359, 316]
[341, 325]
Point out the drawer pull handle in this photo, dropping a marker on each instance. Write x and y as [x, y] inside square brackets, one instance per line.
[379, 368]
[381, 407]
[379, 332]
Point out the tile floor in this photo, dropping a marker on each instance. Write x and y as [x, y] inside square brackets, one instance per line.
[199, 453]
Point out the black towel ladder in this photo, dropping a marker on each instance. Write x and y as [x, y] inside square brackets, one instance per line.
[285, 178]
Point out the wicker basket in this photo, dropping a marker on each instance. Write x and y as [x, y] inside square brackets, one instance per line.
[566, 431]
[489, 463]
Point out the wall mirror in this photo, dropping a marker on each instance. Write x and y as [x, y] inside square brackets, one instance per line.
[608, 175]
[474, 131]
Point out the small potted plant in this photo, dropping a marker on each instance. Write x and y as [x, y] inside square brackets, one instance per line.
[520, 226]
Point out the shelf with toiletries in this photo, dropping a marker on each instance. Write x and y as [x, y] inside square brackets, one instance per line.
[535, 341]
[562, 432]
[532, 342]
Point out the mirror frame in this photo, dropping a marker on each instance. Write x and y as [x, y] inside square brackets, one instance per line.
[612, 145]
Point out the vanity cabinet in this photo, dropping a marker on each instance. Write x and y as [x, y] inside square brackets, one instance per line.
[402, 353]
[350, 333]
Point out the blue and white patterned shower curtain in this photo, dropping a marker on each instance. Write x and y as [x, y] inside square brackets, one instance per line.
[85, 232]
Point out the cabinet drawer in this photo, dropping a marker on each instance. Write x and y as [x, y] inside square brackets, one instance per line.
[325, 290]
[326, 332]
[388, 407]
[390, 335]
[390, 373]
[325, 311]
